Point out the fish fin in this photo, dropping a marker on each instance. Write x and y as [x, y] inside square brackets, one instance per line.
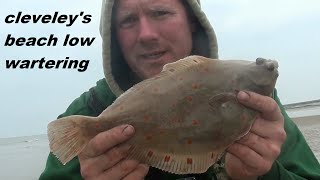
[185, 163]
[234, 115]
[185, 63]
[217, 100]
[174, 67]
[227, 105]
[188, 63]
[68, 136]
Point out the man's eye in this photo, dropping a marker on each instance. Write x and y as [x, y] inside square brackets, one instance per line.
[160, 13]
[126, 22]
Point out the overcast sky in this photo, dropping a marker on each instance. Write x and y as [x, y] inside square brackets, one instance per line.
[285, 30]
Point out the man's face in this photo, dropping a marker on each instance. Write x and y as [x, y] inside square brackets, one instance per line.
[152, 33]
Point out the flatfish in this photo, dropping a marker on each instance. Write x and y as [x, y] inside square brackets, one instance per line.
[184, 118]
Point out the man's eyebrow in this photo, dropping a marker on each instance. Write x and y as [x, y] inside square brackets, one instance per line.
[161, 7]
[124, 13]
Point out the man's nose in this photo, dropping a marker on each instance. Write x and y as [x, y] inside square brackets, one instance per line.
[148, 31]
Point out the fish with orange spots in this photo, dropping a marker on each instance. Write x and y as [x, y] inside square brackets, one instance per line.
[182, 125]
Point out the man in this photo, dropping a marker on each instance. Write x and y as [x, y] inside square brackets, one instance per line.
[139, 37]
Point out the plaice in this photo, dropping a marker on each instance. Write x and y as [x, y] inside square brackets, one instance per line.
[184, 118]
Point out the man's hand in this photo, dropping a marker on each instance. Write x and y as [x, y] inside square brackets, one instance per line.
[104, 157]
[254, 154]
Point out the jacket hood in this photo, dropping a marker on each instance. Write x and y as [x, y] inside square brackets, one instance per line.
[118, 74]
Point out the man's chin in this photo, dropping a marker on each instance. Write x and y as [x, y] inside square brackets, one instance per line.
[151, 74]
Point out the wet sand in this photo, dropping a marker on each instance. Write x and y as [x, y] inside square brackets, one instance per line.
[310, 128]
[23, 158]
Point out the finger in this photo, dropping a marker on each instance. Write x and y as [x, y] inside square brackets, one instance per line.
[108, 139]
[120, 170]
[275, 129]
[261, 146]
[139, 173]
[265, 104]
[236, 168]
[254, 162]
[95, 166]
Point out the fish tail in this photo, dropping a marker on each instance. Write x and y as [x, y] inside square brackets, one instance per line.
[68, 136]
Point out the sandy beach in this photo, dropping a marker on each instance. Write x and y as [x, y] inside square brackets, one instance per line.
[310, 127]
[25, 157]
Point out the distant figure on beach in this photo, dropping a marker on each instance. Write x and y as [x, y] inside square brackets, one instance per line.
[139, 38]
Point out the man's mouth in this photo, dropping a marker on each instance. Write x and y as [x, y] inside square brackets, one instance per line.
[153, 55]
